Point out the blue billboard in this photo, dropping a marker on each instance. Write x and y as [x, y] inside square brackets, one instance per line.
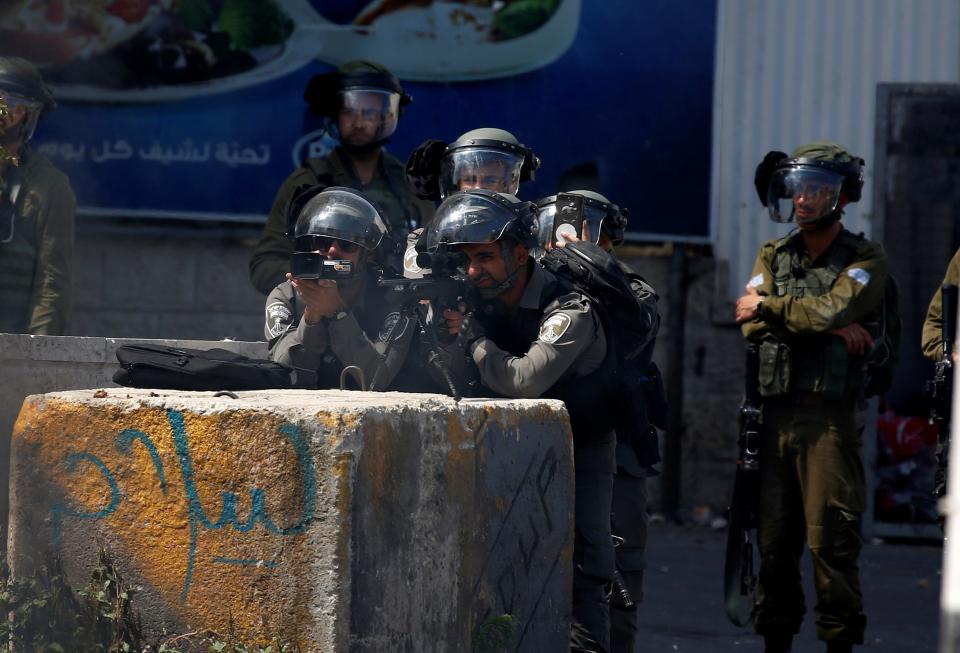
[193, 108]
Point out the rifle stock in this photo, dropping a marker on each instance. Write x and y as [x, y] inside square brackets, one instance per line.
[739, 575]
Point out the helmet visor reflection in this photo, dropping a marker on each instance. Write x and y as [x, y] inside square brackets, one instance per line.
[371, 110]
[18, 117]
[486, 168]
[468, 219]
[341, 215]
[592, 224]
[803, 194]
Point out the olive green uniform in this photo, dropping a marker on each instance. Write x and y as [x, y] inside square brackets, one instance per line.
[812, 480]
[35, 264]
[388, 189]
[932, 342]
[357, 336]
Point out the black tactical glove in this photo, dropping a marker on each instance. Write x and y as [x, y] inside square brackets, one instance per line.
[423, 169]
[470, 331]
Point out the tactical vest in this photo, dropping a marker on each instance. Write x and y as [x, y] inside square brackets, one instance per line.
[388, 188]
[585, 396]
[18, 256]
[816, 363]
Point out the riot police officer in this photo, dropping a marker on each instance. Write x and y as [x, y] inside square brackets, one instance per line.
[531, 336]
[37, 208]
[487, 158]
[809, 304]
[329, 314]
[604, 223]
[365, 102]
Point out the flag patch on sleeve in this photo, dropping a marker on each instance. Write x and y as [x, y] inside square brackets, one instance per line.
[859, 275]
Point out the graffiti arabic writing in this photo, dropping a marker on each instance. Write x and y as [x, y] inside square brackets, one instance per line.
[197, 515]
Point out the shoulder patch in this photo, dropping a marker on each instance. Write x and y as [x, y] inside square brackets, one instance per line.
[553, 327]
[756, 281]
[278, 318]
[859, 275]
[388, 323]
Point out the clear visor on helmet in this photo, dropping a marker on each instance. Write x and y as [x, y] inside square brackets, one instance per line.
[803, 194]
[372, 110]
[480, 167]
[341, 215]
[468, 219]
[592, 224]
[18, 117]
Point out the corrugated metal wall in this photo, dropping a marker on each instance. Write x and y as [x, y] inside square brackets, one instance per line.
[794, 71]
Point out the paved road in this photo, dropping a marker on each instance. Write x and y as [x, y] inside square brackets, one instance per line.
[683, 608]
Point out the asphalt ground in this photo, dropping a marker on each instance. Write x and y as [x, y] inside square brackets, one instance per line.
[682, 608]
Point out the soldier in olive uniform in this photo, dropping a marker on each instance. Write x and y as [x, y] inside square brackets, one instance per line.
[604, 223]
[531, 336]
[323, 325]
[37, 209]
[364, 100]
[932, 342]
[932, 347]
[810, 303]
[487, 158]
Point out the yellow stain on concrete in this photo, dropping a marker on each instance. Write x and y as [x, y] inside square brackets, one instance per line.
[233, 452]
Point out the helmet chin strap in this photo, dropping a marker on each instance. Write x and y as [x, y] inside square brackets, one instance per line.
[363, 150]
[827, 221]
[509, 282]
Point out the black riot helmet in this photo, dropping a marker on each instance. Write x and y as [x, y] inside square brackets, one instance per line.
[363, 87]
[810, 185]
[340, 213]
[599, 214]
[25, 98]
[478, 216]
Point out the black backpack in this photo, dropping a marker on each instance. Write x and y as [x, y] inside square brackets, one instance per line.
[636, 388]
[177, 368]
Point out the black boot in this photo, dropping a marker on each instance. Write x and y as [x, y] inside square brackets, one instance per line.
[777, 643]
[839, 647]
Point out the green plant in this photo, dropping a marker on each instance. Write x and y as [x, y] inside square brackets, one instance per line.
[494, 634]
[44, 614]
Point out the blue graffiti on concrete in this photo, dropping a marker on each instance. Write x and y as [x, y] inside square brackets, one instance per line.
[59, 510]
[196, 514]
[124, 443]
[228, 513]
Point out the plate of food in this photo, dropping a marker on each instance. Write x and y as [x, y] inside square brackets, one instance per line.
[156, 50]
[161, 50]
[450, 40]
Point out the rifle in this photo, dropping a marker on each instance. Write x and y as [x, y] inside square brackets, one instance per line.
[620, 597]
[739, 577]
[940, 388]
[444, 289]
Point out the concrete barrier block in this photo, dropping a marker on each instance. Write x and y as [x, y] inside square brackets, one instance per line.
[350, 521]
